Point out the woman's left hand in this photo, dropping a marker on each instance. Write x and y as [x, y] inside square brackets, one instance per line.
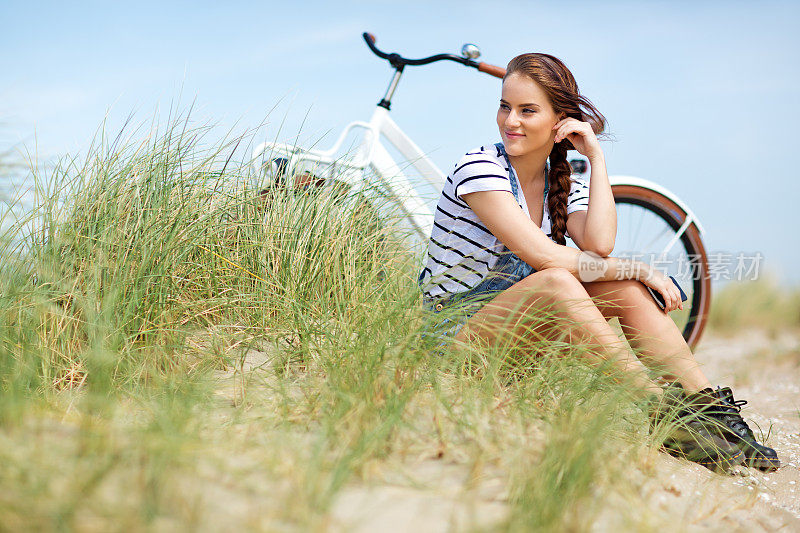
[580, 134]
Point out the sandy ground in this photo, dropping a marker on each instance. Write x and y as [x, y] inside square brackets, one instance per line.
[439, 495]
[765, 371]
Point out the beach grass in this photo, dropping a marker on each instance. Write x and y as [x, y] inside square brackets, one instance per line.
[761, 304]
[184, 347]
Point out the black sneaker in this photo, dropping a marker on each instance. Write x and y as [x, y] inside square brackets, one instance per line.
[727, 410]
[692, 435]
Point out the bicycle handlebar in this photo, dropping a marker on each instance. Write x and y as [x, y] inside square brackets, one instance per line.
[492, 70]
[398, 61]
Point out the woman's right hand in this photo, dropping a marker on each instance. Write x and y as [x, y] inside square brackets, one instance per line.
[661, 283]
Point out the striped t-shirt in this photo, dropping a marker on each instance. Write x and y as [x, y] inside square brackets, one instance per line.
[461, 250]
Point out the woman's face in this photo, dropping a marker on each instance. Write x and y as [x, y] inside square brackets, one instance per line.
[525, 117]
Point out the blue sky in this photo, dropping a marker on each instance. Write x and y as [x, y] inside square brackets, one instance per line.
[700, 97]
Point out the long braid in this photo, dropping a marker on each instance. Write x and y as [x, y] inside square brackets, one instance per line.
[560, 184]
[557, 81]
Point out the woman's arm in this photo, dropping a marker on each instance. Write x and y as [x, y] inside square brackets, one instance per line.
[502, 215]
[593, 230]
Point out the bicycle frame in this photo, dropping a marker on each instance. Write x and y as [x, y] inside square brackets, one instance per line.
[370, 153]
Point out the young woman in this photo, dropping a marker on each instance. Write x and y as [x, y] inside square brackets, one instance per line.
[499, 237]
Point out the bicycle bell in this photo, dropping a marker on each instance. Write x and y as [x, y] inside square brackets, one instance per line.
[470, 51]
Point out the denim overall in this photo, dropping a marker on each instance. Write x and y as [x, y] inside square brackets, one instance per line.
[508, 270]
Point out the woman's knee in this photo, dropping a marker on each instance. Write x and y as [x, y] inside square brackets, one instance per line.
[615, 298]
[558, 280]
[632, 291]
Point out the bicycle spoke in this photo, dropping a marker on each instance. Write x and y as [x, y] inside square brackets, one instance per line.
[665, 233]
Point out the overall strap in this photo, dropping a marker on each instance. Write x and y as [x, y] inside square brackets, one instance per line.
[512, 176]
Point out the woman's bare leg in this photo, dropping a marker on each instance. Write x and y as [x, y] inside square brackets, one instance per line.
[562, 294]
[649, 330]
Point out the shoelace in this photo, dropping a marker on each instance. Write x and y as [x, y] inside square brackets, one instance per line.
[731, 408]
[727, 409]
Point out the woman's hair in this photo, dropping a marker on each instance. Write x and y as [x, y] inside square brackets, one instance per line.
[562, 90]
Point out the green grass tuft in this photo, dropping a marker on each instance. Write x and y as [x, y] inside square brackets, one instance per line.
[178, 350]
[761, 304]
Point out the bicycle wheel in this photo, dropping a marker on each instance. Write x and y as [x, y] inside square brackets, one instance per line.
[647, 223]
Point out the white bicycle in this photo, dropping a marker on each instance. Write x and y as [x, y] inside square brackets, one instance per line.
[653, 223]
